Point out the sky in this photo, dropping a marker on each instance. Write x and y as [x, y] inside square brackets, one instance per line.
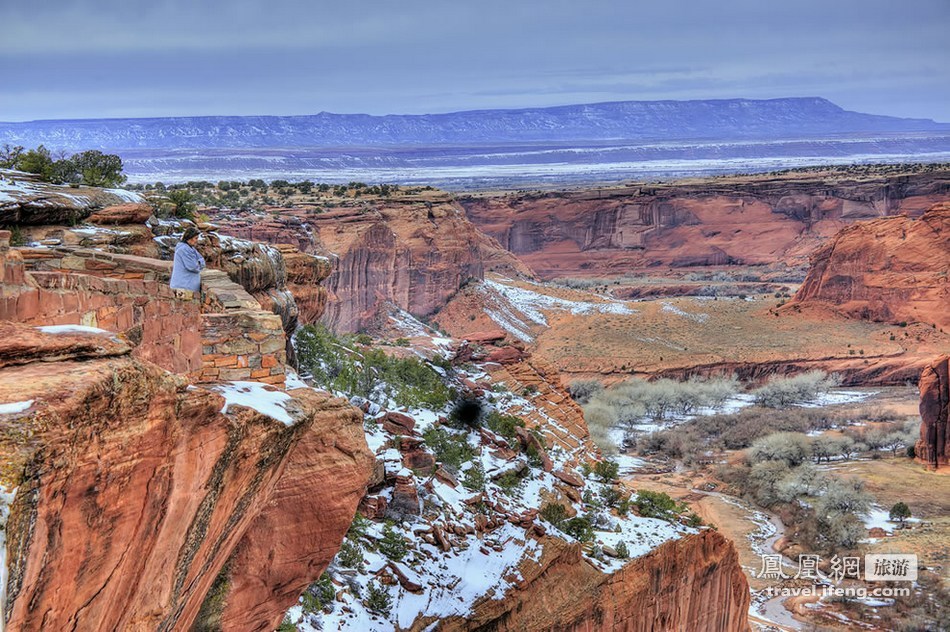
[127, 58]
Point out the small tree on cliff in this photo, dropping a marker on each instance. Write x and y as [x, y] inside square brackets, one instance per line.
[98, 169]
[182, 204]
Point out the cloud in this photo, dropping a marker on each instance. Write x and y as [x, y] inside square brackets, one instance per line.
[300, 56]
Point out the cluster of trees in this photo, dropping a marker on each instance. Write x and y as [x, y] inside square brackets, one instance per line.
[342, 364]
[632, 402]
[781, 471]
[92, 167]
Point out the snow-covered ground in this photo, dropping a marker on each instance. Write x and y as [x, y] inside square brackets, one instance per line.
[74, 329]
[879, 518]
[517, 309]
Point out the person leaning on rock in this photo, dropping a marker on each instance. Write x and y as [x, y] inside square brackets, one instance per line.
[186, 271]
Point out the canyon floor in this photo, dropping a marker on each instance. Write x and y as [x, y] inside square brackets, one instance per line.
[588, 333]
[758, 532]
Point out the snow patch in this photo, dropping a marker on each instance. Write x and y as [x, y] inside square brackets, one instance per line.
[73, 329]
[255, 395]
[15, 407]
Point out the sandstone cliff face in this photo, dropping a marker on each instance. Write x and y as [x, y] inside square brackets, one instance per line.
[893, 270]
[758, 221]
[410, 250]
[932, 448]
[140, 506]
[691, 584]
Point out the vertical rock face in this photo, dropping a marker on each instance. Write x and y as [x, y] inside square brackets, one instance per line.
[932, 449]
[411, 252]
[140, 506]
[893, 269]
[742, 220]
[693, 584]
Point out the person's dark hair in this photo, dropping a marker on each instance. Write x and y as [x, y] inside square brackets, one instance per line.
[190, 232]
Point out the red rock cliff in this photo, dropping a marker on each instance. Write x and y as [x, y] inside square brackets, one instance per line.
[742, 220]
[932, 449]
[893, 270]
[140, 506]
[413, 252]
[691, 584]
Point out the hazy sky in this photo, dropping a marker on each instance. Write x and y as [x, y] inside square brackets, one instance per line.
[127, 58]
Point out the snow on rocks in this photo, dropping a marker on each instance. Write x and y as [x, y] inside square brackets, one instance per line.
[15, 407]
[258, 396]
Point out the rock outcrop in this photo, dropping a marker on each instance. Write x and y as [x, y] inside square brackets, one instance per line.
[413, 251]
[743, 220]
[690, 584]
[932, 448]
[140, 506]
[894, 270]
[25, 200]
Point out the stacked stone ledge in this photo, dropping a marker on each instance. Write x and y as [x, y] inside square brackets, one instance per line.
[225, 335]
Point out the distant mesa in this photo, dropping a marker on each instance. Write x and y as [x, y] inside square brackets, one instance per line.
[600, 122]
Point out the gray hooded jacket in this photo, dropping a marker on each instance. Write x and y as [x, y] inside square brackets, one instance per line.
[186, 273]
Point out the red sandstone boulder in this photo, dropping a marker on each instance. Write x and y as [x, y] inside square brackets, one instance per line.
[485, 337]
[191, 493]
[570, 477]
[398, 423]
[22, 344]
[133, 213]
[506, 355]
[405, 500]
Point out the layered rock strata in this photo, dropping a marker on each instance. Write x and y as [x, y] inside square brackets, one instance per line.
[748, 221]
[894, 270]
[411, 251]
[140, 506]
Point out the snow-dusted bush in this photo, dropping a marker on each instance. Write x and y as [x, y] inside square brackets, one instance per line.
[791, 447]
[583, 390]
[781, 392]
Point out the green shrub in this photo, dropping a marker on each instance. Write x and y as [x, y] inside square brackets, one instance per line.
[578, 527]
[318, 595]
[652, 504]
[622, 551]
[350, 555]
[450, 449]
[611, 496]
[555, 513]
[393, 545]
[408, 381]
[508, 481]
[378, 599]
[607, 471]
[358, 528]
[474, 478]
[502, 424]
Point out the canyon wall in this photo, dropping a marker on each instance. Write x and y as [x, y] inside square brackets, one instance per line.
[892, 270]
[749, 220]
[413, 251]
[932, 449]
[140, 506]
[693, 584]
